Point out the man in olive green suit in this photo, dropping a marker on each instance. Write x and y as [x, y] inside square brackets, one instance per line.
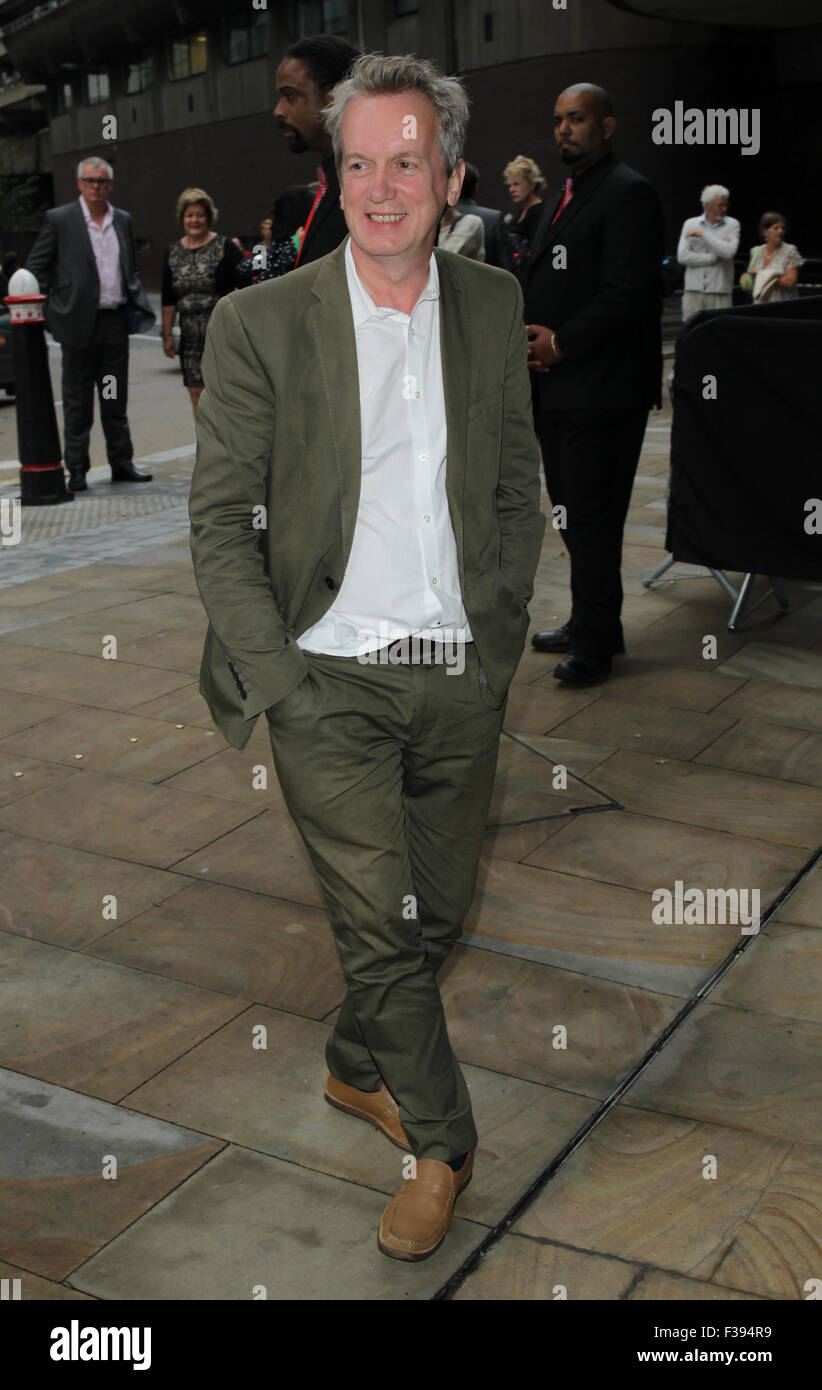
[365, 532]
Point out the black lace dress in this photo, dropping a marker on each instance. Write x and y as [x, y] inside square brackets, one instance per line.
[193, 281]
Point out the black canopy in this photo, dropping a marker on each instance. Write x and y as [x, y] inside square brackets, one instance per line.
[745, 464]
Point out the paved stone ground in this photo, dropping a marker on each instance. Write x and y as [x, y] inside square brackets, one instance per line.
[157, 911]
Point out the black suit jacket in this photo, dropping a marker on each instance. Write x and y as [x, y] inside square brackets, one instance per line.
[62, 261]
[606, 305]
[328, 225]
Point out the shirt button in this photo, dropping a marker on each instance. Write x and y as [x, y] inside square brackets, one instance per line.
[434, 580]
[422, 457]
[426, 518]
[411, 331]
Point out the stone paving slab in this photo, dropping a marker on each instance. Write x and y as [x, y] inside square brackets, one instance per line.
[64, 895]
[57, 1207]
[523, 1270]
[248, 1222]
[96, 1027]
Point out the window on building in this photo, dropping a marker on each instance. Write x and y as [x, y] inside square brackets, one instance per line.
[245, 36]
[97, 87]
[65, 94]
[408, 7]
[187, 56]
[139, 73]
[335, 17]
[487, 27]
[318, 17]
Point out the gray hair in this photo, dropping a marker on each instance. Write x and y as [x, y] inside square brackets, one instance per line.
[97, 164]
[712, 191]
[373, 74]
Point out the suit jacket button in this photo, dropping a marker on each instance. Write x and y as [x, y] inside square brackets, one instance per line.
[330, 582]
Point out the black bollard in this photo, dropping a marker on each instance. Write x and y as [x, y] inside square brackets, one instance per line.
[42, 478]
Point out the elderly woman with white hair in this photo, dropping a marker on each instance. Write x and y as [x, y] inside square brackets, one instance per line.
[707, 246]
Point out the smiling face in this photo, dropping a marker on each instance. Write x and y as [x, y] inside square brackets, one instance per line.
[195, 221]
[393, 182]
[298, 108]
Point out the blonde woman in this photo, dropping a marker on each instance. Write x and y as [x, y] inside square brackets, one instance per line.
[773, 269]
[526, 185]
[197, 271]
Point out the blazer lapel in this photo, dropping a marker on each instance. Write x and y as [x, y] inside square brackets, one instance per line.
[550, 232]
[456, 348]
[331, 325]
[121, 238]
[84, 241]
[542, 235]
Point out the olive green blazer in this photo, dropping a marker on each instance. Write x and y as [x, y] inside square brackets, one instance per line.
[276, 482]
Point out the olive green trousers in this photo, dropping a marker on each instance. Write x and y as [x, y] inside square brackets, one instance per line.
[387, 771]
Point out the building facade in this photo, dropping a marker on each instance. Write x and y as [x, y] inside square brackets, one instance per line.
[178, 92]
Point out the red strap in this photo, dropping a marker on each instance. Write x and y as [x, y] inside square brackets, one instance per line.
[323, 182]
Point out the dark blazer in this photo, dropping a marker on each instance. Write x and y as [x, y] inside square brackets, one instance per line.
[606, 305]
[278, 427]
[491, 221]
[328, 225]
[62, 261]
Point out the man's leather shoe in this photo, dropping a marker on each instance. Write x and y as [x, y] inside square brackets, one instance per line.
[580, 668]
[129, 474]
[416, 1220]
[557, 640]
[77, 480]
[377, 1107]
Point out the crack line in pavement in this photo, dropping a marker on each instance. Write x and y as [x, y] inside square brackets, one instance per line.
[609, 804]
[472, 1262]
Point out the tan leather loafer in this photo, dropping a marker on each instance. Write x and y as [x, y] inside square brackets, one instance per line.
[416, 1220]
[378, 1108]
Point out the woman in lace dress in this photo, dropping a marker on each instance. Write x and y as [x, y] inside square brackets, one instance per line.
[197, 271]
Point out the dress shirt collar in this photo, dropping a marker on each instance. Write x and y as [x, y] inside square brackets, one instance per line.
[704, 220]
[363, 306]
[107, 218]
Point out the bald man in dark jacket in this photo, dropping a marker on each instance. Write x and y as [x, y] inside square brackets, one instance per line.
[593, 305]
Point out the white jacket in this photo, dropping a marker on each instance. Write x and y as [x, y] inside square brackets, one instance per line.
[709, 258]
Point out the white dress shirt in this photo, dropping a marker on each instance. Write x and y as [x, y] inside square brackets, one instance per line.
[106, 250]
[402, 577]
[709, 258]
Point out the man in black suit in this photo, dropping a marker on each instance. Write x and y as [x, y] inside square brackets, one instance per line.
[593, 306]
[85, 261]
[306, 79]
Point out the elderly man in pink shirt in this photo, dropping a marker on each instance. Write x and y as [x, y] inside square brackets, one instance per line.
[85, 261]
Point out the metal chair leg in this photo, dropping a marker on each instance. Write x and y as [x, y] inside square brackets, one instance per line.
[741, 596]
[656, 573]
